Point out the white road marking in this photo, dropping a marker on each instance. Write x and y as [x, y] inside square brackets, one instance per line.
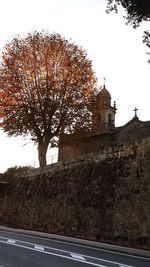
[77, 256]
[54, 254]
[39, 247]
[11, 241]
[66, 251]
[79, 245]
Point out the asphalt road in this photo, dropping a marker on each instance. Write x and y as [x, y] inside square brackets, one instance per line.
[20, 250]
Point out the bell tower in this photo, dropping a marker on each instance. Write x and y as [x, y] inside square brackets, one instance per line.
[103, 118]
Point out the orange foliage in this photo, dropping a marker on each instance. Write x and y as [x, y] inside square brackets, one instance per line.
[46, 84]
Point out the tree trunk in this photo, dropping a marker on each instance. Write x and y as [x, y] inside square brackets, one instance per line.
[42, 151]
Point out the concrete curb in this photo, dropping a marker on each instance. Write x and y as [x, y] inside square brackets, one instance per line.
[115, 248]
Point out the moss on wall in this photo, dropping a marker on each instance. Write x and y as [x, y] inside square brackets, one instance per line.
[107, 200]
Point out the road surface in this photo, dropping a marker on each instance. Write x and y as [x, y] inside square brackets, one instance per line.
[20, 250]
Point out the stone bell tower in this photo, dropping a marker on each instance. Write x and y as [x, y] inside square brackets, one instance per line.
[103, 118]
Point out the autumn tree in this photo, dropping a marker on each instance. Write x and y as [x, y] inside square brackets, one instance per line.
[46, 86]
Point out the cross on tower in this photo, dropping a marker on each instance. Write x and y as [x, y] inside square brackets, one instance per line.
[135, 110]
[104, 80]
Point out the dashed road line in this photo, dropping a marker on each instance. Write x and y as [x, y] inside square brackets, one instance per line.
[39, 247]
[77, 256]
[11, 241]
[80, 245]
[72, 256]
[55, 254]
[46, 248]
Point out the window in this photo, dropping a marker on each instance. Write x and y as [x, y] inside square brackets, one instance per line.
[109, 119]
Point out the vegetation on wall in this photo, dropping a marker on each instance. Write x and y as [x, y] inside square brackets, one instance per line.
[105, 201]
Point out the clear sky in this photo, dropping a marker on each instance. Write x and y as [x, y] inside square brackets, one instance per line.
[116, 50]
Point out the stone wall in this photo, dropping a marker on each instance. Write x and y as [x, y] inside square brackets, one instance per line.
[102, 197]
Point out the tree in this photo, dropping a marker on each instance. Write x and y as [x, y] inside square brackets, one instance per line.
[46, 86]
[147, 38]
[137, 10]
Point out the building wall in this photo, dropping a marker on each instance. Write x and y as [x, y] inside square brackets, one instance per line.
[73, 146]
[72, 149]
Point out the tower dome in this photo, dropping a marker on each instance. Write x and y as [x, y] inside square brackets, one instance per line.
[103, 97]
[104, 93]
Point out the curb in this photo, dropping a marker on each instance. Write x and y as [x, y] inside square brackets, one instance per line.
[94, 244]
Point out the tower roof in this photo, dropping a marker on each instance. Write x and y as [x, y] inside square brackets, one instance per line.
[104, 93]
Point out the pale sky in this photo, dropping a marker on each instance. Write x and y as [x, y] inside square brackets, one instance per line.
[116, 50]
